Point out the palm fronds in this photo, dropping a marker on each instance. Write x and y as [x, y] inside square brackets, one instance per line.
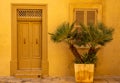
[91, 36]
[63, 32]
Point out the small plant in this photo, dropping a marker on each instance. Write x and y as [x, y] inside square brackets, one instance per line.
[91, 36]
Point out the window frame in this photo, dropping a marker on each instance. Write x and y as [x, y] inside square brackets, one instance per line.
[85, 14]
[85, 6]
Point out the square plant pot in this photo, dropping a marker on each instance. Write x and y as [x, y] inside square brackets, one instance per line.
[84, 72]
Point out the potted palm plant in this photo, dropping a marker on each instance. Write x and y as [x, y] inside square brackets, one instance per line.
[92, 37]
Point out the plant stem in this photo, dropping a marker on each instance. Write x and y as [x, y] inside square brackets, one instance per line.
[76, 54]
[93, 50]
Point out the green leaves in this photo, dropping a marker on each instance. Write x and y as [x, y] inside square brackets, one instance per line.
[61, 33]
[64, 32]
[105, 34]
[91, 36]
[87, 59]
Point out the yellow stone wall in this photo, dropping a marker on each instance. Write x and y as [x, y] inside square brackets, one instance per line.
[60, 62]
[57, 13]
[109, 57]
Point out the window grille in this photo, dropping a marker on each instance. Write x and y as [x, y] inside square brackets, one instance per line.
[29, 13]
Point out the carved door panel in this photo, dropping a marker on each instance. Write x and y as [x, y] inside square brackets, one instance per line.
[29, 45]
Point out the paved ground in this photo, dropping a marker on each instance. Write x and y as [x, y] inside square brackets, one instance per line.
[54, 80]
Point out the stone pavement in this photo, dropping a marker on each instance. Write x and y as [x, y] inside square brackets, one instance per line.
[54, 80]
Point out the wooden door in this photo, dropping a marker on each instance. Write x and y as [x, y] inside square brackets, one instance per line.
[29, 45]
[29, 41]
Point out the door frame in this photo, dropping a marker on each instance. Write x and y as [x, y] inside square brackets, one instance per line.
[14, 61]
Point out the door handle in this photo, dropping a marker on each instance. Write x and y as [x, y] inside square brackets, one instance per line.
[36, 41]
[24, 41]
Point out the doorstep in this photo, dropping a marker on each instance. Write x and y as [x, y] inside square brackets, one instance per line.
[98, 79]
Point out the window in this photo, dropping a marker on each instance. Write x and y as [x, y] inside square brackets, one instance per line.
[85, 13]
[85, 16]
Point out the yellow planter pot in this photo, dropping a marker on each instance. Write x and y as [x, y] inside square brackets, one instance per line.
[84, 72]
